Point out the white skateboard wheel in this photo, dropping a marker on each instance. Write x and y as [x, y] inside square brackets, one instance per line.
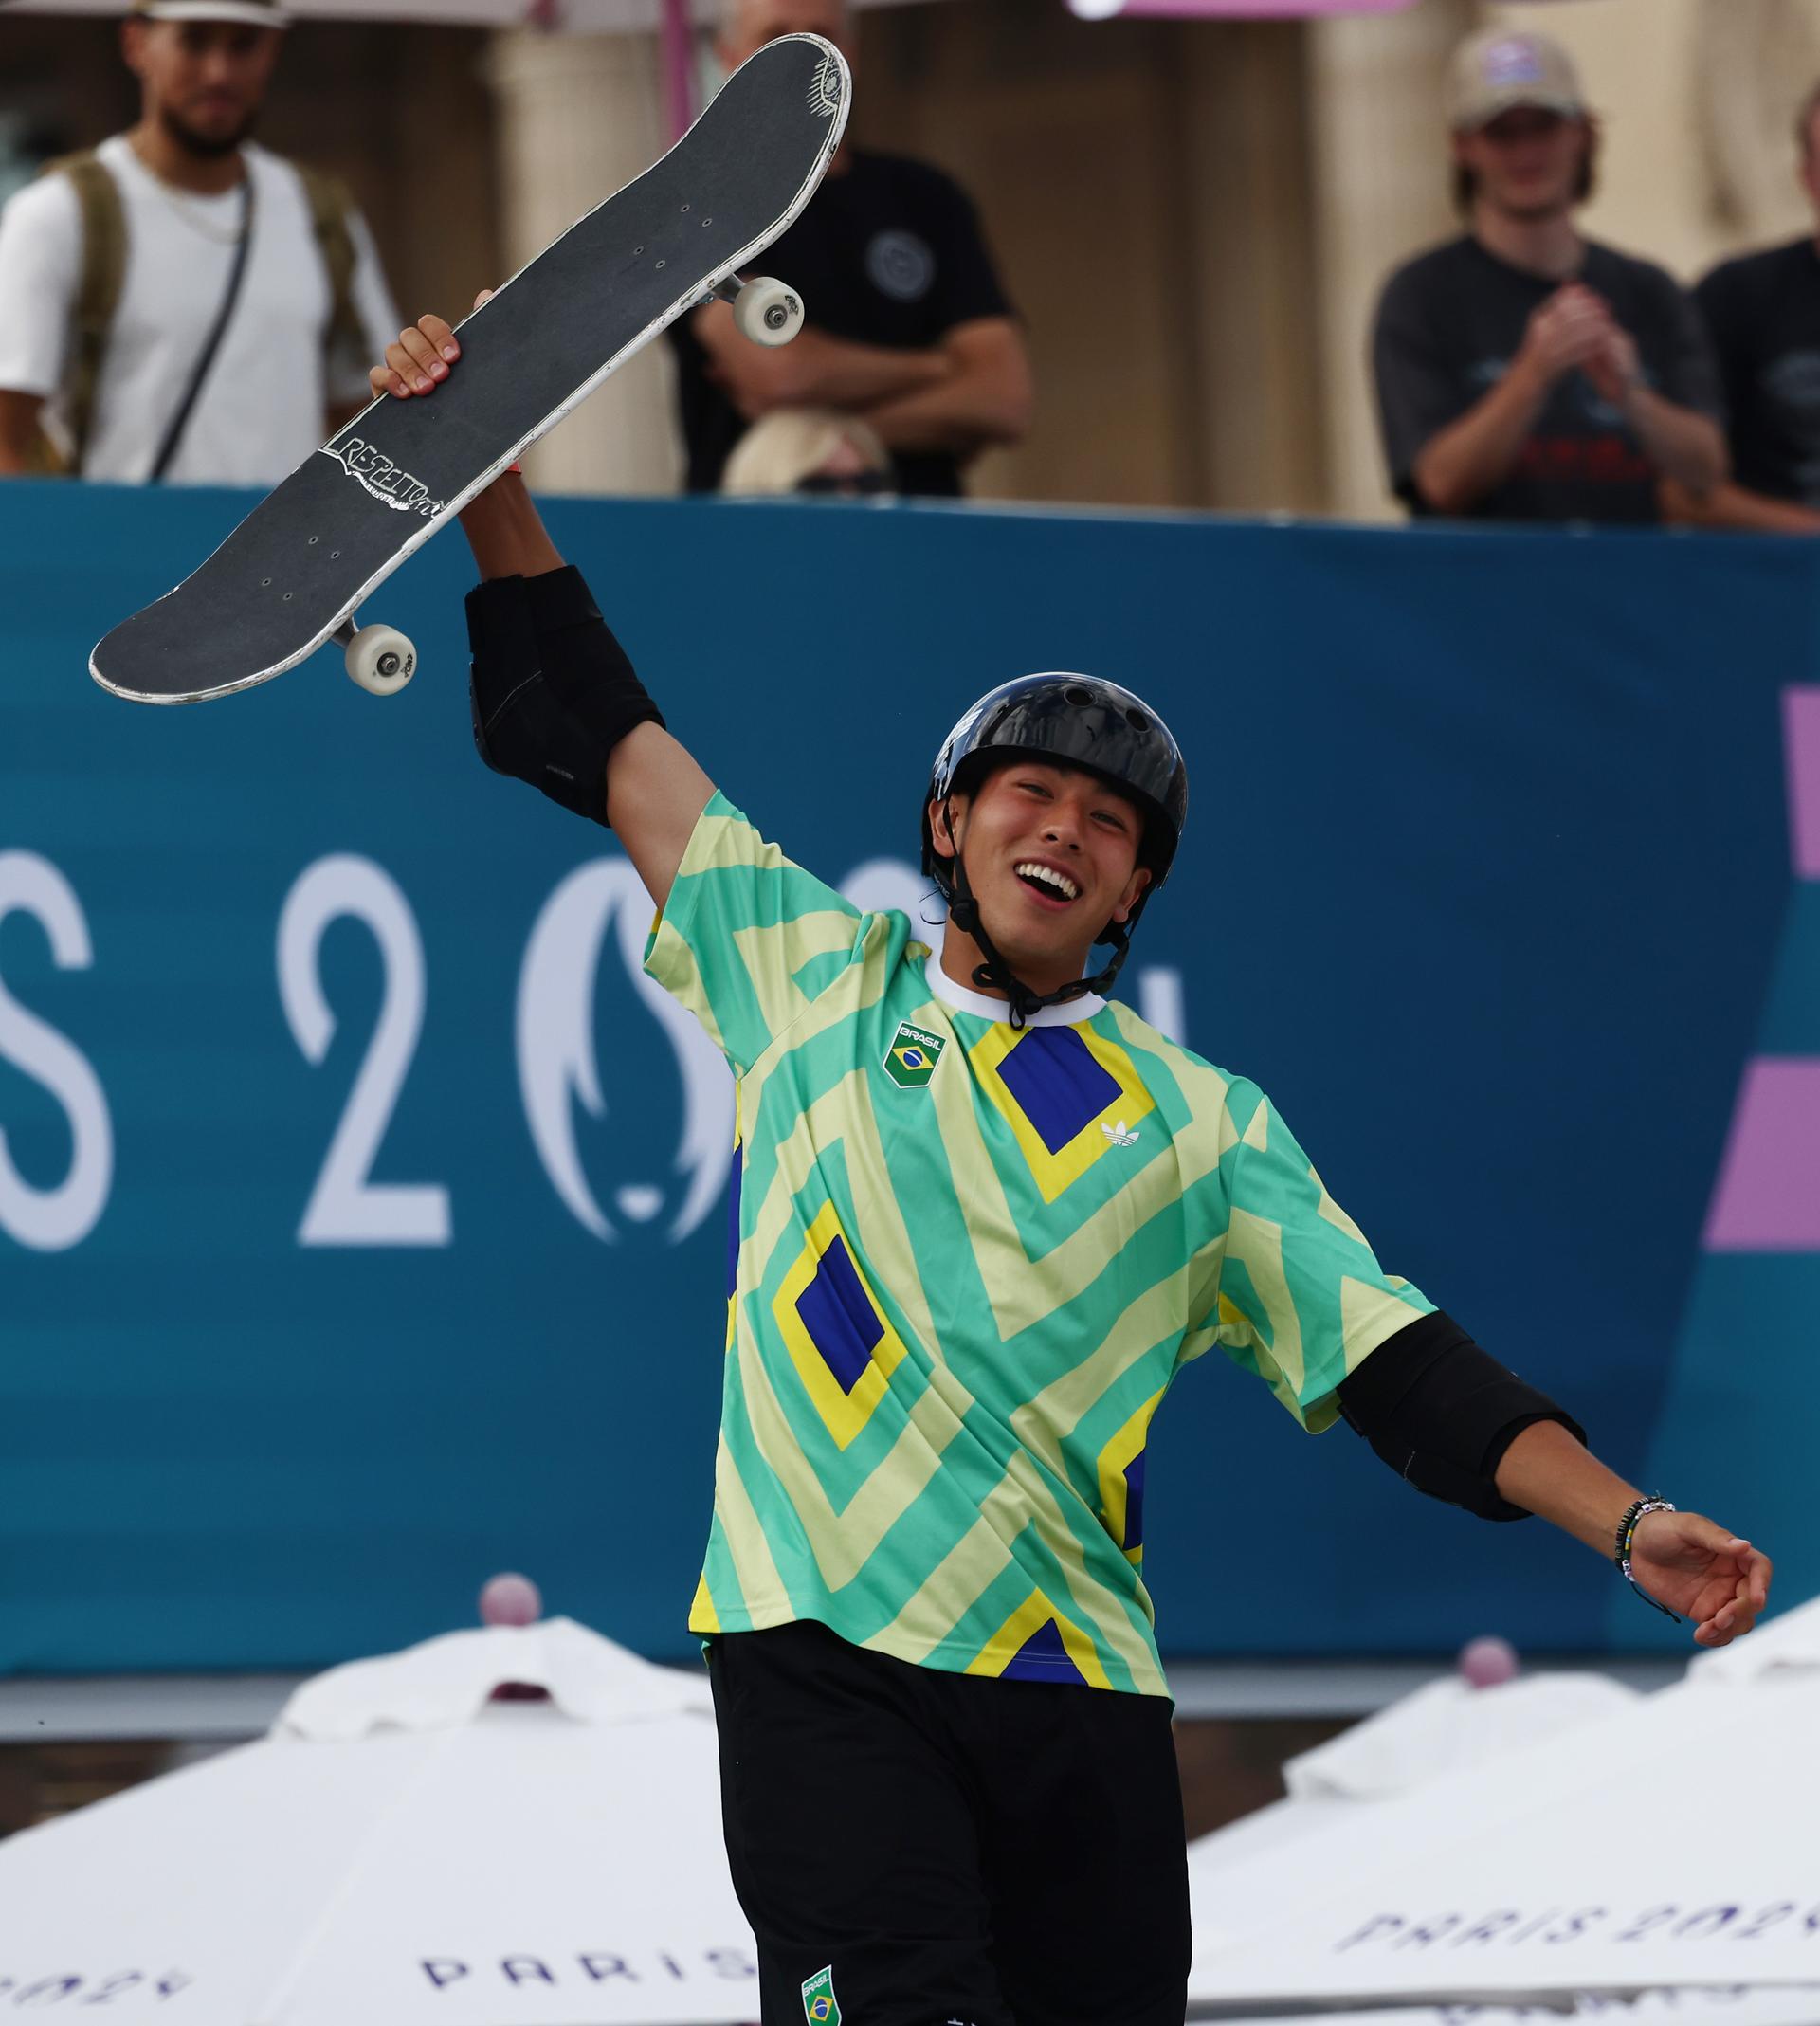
[381, 660]
[768, 312]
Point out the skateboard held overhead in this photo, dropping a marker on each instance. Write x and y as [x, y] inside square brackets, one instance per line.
[296, 572]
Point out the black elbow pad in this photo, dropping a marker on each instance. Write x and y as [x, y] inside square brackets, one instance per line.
[1442, 1412]
[551, 689]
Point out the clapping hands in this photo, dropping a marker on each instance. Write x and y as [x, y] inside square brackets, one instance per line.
[1575, 330]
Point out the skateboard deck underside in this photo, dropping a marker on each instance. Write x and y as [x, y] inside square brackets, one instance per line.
[304, 560]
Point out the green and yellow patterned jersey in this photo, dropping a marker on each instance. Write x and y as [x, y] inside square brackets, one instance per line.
[969, 1259]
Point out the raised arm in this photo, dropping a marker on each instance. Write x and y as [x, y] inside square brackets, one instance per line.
[555, 699]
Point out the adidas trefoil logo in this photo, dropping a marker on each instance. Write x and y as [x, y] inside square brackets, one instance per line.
[1120, 1133]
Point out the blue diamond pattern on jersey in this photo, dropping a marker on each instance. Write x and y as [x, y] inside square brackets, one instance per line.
[1059, 1086]
[1043, 1656]
[841, 1322]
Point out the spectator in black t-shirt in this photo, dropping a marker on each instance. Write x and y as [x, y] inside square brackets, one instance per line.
[907, 326]
[1523, 372]
[1764, 314]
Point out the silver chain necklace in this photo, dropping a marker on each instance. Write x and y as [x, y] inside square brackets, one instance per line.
[186, 208]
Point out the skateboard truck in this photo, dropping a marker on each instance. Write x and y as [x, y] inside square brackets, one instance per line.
[764, 309]
[379, 658]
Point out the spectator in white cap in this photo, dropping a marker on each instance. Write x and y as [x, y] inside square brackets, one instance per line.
[179, 304]
[1523, 372]
[1763, 310]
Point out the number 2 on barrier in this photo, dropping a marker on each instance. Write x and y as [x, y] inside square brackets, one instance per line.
[346, 1206]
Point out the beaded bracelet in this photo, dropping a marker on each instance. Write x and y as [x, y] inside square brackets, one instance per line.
[1634, 1513]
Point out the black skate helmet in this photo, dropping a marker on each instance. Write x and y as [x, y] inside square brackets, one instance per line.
[1074, 721]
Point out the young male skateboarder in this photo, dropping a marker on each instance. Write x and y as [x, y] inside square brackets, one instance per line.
[984, 1215]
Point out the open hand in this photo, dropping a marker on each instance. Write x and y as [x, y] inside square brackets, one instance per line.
[1708, 1575]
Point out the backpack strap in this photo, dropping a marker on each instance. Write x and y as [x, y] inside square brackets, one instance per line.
[103, 276]
[98, 292]
[330, 208]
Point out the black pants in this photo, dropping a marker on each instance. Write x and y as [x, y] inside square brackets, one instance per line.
[954, 1851]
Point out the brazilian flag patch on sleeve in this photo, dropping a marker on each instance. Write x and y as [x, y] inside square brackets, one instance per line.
[911, 1059]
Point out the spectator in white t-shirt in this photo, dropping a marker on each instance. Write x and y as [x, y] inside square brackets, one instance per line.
[135, 246]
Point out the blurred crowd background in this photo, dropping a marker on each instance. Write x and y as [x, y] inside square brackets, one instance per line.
[1190, 221]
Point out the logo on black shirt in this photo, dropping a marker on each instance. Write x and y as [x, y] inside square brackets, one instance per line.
[900, 266]
[1795, 378]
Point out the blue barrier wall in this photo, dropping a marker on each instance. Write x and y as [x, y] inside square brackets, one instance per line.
[360, 1229]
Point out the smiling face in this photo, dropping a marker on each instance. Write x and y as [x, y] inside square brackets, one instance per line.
[204, 81]
[1052, 857]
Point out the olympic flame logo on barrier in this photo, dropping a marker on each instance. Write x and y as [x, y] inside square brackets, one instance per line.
[559, 1064]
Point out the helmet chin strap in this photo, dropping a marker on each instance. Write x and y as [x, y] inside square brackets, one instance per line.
[995, 974]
